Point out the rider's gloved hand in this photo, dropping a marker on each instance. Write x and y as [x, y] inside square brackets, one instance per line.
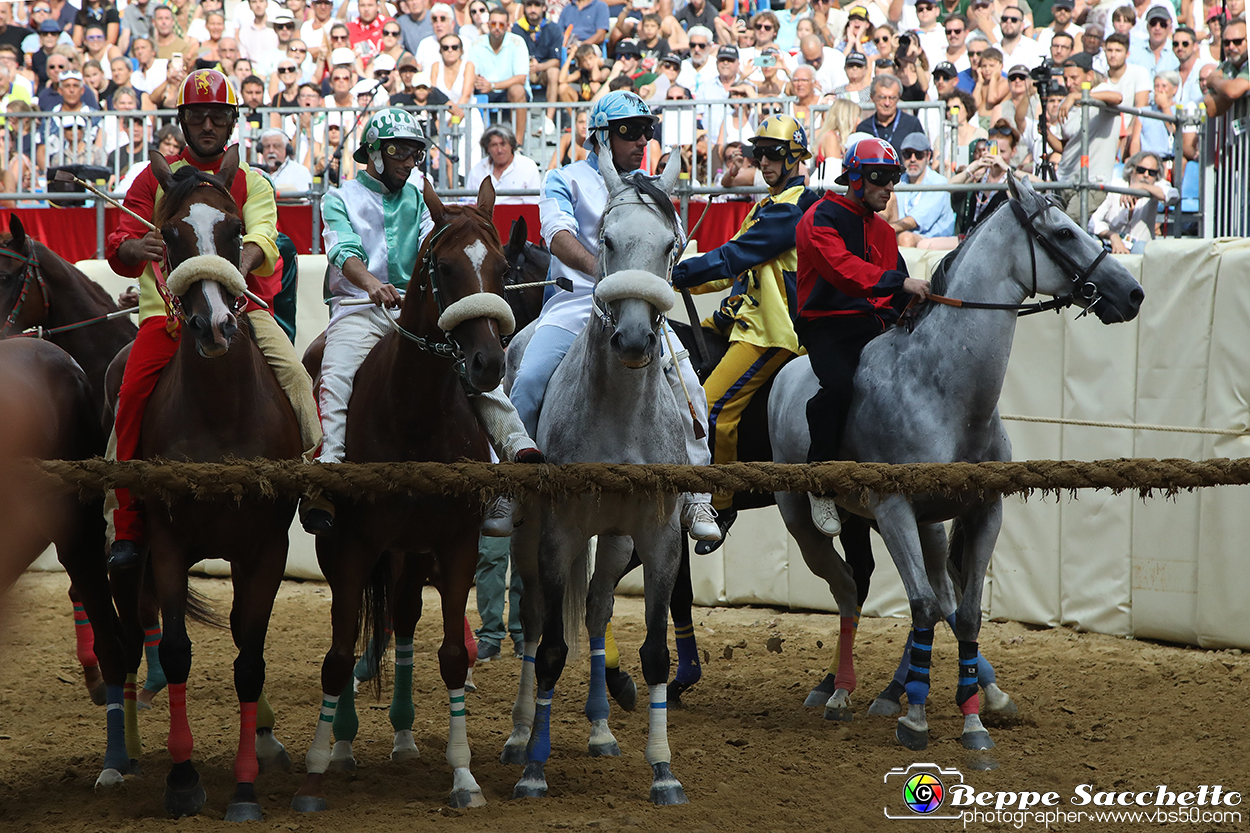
[681, 277]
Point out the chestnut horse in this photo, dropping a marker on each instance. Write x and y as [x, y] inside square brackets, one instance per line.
[216, 399]
[409, 403]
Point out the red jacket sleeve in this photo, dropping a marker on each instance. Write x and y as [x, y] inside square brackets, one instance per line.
[141, 199]
[850, 274]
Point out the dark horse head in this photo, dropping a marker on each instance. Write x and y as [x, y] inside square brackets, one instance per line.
[23, 298]
[200, 222]
[458, 286]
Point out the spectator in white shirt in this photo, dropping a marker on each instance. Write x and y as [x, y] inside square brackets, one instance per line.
[507, 169]
[1128, 222]
[289, 176]
[1016, 48]
[151, 71]
[257, 37]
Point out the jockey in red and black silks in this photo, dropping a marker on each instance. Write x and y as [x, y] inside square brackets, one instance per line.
[849, 273]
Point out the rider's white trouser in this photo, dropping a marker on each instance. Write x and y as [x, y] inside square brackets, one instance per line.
[348, 341]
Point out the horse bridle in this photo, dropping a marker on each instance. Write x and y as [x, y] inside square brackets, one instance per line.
[31, 274]
[605, 316]
[448, 348]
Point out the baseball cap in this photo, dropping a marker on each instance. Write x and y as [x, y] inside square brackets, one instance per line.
[364, 87]
[1158, 13]
[50, 26]
[1081, 59]
[421, 79]
[916, 141]
[945, 68]
[730, 52]
[1018, 71]
[408, 61]
[1064, 4]
[857, 59]
[1214, 13]
[858, 12]
[629, 46]
[283, 16]
[342, 55]
[671, 58]
[70, 75]
[383, 63]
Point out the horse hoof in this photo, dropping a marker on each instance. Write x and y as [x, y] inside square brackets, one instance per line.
[271, 755]
[108, 779]
[342, 765]
[820, 695]
[460, 799]
[999, 702]
[914, 740]
[244, 811]
[665, 788]
[142, 706]
[514, 754]
[976, 740]
[842, 714]
[605, 750]
[186, 801]
[622, 688]
[884, 708]
[96, 687]
[400, 755]
[308, 804]
[533, 783]
[675, 690]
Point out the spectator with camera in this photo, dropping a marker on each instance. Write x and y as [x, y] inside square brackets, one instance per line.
[1125, 221]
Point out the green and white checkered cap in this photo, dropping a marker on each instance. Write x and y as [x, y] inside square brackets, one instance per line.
[391, 123]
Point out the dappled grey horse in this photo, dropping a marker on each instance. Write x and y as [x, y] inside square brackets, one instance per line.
[932, 396]
[609, 401]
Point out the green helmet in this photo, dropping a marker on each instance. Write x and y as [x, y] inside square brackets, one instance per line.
[391, 123]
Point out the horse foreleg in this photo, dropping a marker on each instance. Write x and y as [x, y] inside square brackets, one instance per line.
[525, 562]
[981, 527]
[897, 521]
[610, 559]
[459, 564]
[84, 638]
[347, 568]
[407, 609]
[660, 549]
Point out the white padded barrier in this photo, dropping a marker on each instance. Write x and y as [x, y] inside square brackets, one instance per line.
[1169, 569]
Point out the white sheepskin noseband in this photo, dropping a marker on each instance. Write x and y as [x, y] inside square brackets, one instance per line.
[206, 268]
[478, 305]
[635, 283]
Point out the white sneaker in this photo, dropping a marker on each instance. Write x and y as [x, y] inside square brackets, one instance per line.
[825, 515]
[700, 520]
[498, 520]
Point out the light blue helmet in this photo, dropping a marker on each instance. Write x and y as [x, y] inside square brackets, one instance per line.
[615, 106]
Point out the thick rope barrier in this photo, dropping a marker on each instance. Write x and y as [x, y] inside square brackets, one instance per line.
[251, 479]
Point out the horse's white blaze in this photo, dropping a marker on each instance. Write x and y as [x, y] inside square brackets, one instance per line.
[476, 253]
[203, 218]
[218, 308]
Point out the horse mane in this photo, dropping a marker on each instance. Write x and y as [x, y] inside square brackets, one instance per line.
[645, 188]
[186, 179]
[939, 281]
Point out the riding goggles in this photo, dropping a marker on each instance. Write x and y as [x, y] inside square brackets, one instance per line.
[404, 152]
[777, 153]
[883, 176]
[219, 116]
[632, 131]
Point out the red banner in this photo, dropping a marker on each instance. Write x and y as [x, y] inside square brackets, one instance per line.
[71, 232]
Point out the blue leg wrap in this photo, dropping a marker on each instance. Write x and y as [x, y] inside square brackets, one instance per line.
[985, 671]
[597, 697]
[152, 653]
[967, 688]
[115, 754]
[917, 684]
[689, 671]
[900, 674]
[540, 740]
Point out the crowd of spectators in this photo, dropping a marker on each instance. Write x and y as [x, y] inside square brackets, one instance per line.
[981, 58]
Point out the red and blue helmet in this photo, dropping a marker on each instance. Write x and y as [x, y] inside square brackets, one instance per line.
[869, 151]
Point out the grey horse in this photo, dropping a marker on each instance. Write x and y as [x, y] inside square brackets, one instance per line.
[931, 395]
[609, 401]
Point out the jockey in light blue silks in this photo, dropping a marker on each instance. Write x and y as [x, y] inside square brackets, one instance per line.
[374, 227]
[571, 207]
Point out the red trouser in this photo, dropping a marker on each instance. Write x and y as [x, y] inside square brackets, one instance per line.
[152, 350]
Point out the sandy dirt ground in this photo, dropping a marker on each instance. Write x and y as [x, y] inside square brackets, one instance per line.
[1119, 715]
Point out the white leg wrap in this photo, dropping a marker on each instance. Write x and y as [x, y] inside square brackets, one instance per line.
[457, 733]
[318, 757]
[657, 741]
[498, 416]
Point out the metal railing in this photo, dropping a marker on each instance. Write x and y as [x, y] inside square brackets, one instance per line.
[455, 149]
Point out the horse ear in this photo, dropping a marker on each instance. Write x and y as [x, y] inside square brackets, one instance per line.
[1017, 190]
[437, 213]
[672, 170]
[160, 169]
[18, 232]
[518, 235]
[486, 197]
[607, 167]
[229, 166]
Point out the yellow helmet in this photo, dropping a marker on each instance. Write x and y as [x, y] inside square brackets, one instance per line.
[785, 129]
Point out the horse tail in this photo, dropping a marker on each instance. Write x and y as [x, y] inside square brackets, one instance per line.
[199, 609]
[955, 557]
[375, 616]
[577, 586]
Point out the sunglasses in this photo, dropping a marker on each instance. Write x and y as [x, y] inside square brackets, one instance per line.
[882, 39]
[299, 49]
[285, 70]
[694, 45]
[1150, 172]
[1182, 44]
[340, 37]
[441, 19]
[449, 47]
[1159, 22]
[954, 31]
[394, 33]
[497, 24]
[219, 116]
[632, 131]
[765, 27]
[284, 26]
[1012, 19]
[89, 37]
[997, 131]
[776, 153]
[915, 154]
[884, 176]
[1017, 77]
[1235, 41]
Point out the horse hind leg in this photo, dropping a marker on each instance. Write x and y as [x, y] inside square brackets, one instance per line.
[84, 638]
[271, 754]
[525, 563]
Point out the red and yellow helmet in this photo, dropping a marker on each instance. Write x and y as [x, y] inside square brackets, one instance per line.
[207, 86]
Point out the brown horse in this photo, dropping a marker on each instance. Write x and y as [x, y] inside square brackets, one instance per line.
[409, 403]
[217, 398]
[47, 412]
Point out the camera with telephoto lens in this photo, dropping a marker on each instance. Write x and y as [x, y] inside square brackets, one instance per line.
[1045, 71]
[904, 42]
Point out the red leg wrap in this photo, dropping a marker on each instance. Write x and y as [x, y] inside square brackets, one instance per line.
[245, 766]
[845, 678]
[971, 706]
[179, 743]
[470, 642]
[85, 637]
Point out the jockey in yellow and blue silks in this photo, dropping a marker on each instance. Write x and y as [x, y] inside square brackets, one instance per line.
[759, 266]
